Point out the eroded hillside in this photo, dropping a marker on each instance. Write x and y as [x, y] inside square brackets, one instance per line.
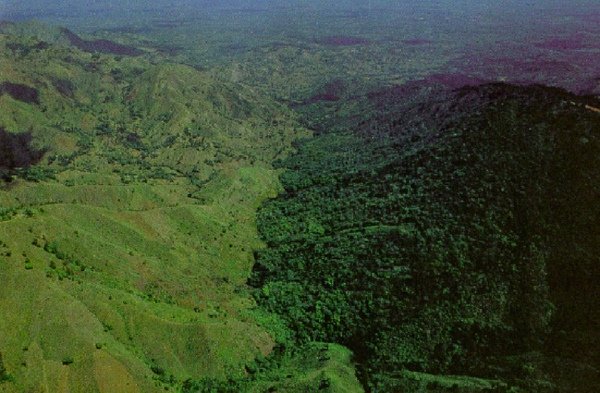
[126, 249]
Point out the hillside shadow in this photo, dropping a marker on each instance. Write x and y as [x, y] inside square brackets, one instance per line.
[16, 152]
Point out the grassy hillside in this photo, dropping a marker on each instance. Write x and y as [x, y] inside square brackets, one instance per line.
[445, 233]
[124, 252]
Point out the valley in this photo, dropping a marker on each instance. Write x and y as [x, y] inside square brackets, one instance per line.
[298, 197]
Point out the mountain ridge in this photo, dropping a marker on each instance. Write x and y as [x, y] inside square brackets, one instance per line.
[436, 235]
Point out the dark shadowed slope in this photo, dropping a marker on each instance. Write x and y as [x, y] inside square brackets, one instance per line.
[16, 152]
[102, 46]
[20, 92]
[454, 234]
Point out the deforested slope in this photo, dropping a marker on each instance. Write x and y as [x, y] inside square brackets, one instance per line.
[127, 238]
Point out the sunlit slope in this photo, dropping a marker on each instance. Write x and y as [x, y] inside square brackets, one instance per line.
[124, 265]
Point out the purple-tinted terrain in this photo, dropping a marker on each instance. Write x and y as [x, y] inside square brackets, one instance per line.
[566, 58]
[166, 24]
[412, 89]
[343, 41]
[331, 92]
[20, 92]
[102, 46]
[417, 42]
[573, 72]
[64, 87]
[592, 17]
[452, 81]
[574, 42]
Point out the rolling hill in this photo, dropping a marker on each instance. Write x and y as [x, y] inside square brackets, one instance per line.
[125, 249]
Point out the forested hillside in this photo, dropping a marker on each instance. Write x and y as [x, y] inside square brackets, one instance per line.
[447, 233]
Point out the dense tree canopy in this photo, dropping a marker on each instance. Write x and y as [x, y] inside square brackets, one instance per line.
[431, 237]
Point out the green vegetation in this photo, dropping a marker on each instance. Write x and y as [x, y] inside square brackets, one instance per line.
[4, 376]
[425, 239]
[315, 367]
[132, 223]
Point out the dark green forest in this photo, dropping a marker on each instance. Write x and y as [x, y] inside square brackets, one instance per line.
[450, 233]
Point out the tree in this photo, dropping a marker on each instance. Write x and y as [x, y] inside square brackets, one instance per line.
[3, 373]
